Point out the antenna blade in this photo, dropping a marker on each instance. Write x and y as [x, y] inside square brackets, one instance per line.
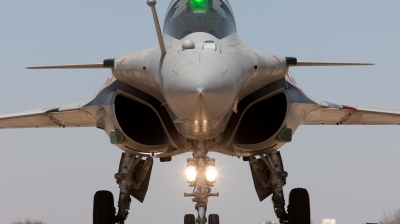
[152, 4]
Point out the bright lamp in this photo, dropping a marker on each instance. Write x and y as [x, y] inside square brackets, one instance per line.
[211, 173]
[191, 173]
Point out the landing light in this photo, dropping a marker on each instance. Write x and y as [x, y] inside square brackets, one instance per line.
[191, 174]
[211, 173]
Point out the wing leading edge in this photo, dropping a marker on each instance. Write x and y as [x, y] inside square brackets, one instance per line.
[69, 115]
[107, 63]
[339, 114]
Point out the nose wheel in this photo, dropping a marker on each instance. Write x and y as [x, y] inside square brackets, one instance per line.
[189, 219]
[213, 219]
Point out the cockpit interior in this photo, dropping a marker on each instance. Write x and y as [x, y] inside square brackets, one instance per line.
[189, 16]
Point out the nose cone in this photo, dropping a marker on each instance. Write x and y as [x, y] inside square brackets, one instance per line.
[200, 88]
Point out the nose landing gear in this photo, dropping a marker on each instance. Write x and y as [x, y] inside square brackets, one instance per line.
[201, 175]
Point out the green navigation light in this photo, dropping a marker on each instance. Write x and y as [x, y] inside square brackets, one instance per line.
[199, 6]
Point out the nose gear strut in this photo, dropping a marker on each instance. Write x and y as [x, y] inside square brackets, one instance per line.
[202, 185]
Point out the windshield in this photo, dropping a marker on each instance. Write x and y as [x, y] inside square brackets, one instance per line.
[190, 16]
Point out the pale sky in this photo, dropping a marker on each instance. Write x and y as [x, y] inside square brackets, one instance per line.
[52, 174]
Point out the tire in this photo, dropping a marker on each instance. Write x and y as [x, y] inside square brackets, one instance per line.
[299, 207]
[103, 208]
[189, 219]
[213, 219]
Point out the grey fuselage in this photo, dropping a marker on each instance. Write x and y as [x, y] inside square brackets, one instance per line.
[200, 87]
[209, 91]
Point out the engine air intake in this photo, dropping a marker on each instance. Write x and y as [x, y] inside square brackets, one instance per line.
[139, 122]
[262, 120]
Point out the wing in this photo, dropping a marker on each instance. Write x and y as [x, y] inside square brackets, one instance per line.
[68, 115]
[292, 61]
[340, 114]
[107, 63]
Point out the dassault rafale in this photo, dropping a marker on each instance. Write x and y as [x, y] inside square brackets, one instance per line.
[200, 90]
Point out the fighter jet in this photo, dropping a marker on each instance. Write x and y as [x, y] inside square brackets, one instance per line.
[200, 90]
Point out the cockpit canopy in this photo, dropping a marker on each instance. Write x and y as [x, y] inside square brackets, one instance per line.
[189, 16]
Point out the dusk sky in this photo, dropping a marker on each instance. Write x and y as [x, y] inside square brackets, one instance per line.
[351, 172]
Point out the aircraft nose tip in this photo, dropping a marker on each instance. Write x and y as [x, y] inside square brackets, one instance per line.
[200, 93]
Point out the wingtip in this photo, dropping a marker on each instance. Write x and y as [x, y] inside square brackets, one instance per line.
[107, 63]
[72, 66]
[293, 62]
[313, 63]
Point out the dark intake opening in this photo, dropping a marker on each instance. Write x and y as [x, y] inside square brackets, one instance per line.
[261, 121]
[139, 122]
